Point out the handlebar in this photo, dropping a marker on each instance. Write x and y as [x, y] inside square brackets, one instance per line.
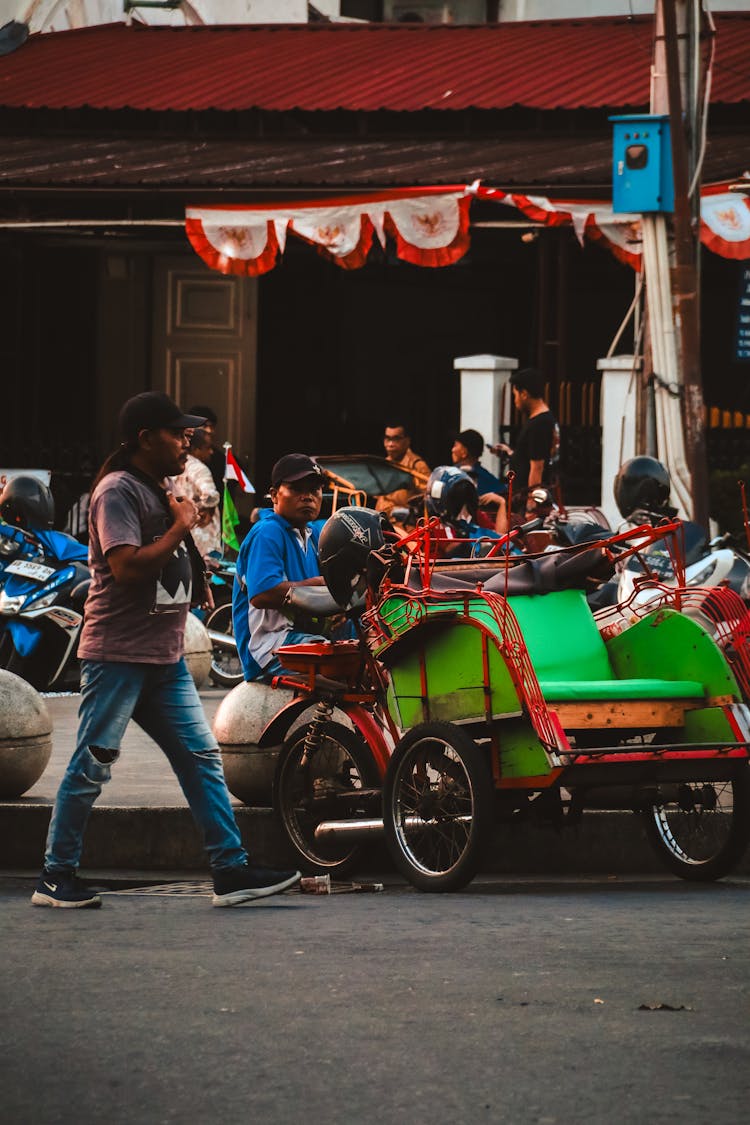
[522, 529]
[317, 600]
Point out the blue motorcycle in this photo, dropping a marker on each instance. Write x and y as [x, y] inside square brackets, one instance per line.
[44, 579]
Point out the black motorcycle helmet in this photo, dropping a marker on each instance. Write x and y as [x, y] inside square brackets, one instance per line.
[345, 551]
[26, 502]
[642, 484]
[450, 490]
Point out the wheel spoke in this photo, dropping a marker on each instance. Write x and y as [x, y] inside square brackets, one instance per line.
[696, 827]
[434, 785]
[311, 793]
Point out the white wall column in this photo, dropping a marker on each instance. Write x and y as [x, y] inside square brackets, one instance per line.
[486, 400]
[617, 409]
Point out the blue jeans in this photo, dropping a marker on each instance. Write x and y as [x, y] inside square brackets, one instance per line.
[163, 700]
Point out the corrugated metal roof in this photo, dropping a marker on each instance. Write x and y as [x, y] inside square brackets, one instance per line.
[128, 162]
[210, 166]
[546, 65]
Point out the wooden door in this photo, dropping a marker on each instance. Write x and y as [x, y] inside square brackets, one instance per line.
[204, 350]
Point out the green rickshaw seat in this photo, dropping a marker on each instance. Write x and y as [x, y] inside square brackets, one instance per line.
[557, 691]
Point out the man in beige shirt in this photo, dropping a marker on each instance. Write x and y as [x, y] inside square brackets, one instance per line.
[197, 484]
[397, 449]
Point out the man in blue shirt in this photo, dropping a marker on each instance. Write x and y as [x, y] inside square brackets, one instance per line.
[467, 449]
[278, 553]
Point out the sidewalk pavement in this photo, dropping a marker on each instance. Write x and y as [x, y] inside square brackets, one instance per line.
[141, 777]
[141, 822]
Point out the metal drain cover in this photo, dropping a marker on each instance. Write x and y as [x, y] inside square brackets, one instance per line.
[194, 887]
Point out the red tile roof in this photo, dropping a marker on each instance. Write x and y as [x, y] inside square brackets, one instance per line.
[596, 63]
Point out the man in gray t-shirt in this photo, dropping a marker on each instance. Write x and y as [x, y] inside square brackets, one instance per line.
[143, 622]
[144, 564]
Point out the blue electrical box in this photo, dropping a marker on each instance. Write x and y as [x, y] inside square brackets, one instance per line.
[642, 164]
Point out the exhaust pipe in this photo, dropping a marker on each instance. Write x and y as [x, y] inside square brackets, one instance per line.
[222, 640]
[365, 829]
[352, 829]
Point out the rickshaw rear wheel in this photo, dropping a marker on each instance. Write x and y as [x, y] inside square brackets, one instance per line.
[438, 807]
[703, 833]
[323, 788]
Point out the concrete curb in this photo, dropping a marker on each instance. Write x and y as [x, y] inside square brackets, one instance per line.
[159, 839]
[145, 839]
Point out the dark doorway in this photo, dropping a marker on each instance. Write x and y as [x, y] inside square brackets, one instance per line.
[339, 351]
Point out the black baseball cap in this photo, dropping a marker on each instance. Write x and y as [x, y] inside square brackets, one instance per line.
[153, 410]
[294, 466]
[473, 441]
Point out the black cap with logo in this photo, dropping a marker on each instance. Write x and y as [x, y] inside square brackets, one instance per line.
[294, 466]
[153, 410]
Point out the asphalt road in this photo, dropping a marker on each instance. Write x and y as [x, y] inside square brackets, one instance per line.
[516, 1001]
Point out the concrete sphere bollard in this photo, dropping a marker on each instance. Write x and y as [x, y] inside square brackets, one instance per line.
[197, 650]
[242, 716]
[25, 736]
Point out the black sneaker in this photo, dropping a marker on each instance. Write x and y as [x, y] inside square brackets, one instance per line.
[240, 884]
[63, 888]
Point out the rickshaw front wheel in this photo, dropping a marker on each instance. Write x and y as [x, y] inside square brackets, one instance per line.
[333, 782]
[438, 807]
[702, 833]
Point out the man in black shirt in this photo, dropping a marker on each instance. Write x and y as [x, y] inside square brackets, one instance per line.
[534, 459]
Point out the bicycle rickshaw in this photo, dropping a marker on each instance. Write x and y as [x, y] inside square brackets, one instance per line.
[488, 690]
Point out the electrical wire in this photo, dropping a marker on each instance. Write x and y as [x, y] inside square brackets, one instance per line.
[706, 98]
[628, 314]
[637, 349]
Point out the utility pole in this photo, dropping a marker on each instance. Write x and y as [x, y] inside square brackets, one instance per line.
[684, 273]
[667, 437]
[672, 293]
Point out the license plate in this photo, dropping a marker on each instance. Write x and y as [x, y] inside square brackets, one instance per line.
[30, 569]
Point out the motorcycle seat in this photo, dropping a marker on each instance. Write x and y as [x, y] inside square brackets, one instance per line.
[543, 575]
[79, 592]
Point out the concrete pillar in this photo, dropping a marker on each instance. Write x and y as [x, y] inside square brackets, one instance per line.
[486, 401]
[618, 410]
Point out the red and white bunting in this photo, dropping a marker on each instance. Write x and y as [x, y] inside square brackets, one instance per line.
[725, 221]
[430, 227]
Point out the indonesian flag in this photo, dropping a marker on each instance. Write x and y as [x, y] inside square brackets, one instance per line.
[234, 471]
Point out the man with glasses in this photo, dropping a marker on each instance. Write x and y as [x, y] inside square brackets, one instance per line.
[146, 573]
[397, 445]
[278, 553]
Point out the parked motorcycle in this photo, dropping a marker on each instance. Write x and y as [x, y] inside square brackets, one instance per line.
[226, 667]
[45, 579]
[641, 490]
[642, 493]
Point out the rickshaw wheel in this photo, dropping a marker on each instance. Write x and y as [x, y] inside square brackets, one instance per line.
[702, 835]
[325, 788]
[437, 807]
